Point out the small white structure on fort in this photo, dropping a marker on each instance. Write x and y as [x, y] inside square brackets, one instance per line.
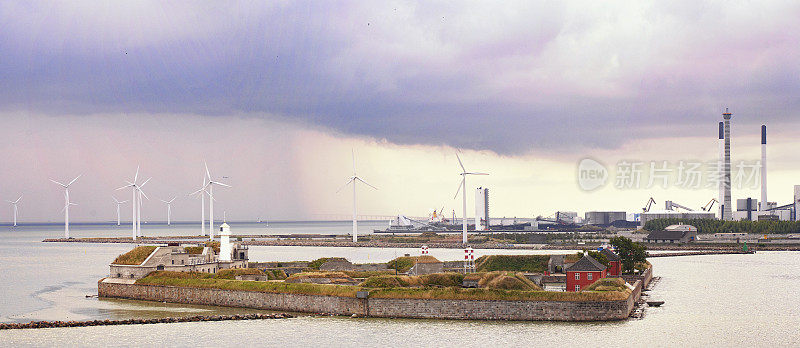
[225, 248]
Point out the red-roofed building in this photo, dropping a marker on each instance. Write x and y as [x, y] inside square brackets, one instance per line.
[584, 273]
[614, 262]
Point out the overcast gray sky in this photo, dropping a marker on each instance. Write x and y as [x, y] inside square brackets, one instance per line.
[274, 96]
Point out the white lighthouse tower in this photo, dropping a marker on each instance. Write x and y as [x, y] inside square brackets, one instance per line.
[225, 248]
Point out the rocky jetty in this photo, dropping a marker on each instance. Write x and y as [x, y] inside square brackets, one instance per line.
[53, 324]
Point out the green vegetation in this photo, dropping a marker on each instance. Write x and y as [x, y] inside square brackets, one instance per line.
[630, 253]
[719, 226]
[135, 256]
[517, 263]
[498, 294]
[607, 284]
[443, 288]
[404, 263]
[214, 246]
[232, 273]
[367, 274]
[599, 257]
[316, 264]
[206, 281]
[335, 277]
[195, 250]
[276, 274]
[503, 280]
[402, 281]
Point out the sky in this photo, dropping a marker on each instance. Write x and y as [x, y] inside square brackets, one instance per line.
[275, 97]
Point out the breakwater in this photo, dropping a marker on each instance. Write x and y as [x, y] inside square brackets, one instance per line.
[53, 324]
[702, 252]
[731, 248]
[368, 306]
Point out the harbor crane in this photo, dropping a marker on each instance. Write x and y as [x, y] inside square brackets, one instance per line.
[648, 205]
[709, 205]
[671, 204]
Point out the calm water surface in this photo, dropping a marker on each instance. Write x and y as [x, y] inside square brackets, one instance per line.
[724, 300]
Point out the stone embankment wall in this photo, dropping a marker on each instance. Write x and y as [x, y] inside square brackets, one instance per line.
[380, 307]
[644, 277]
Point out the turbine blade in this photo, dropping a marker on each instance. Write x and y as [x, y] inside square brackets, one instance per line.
[124, 187]
[198, 191]
[145, 182]
[219, 183]
[459, 163]
[18, 199]
[208, 174]
[353, 153]
[459, 187]
[477, 173]
[73, 180]
[345, 185]
[136, 177]
[143, 194]
[173, 198]
[58, 183]
[366, 183]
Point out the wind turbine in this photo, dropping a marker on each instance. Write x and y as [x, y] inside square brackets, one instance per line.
[139, 207]
[14, 203]
[169, 208]
[202, 204]
[210, 186]
[118, 204]
[136, 198]
[463, 189]
[354, 179]
[66, 203]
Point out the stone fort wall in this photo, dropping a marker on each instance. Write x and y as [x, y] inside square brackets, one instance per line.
[381, 307]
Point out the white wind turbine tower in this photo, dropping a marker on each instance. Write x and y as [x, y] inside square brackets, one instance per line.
[67, 203]
[354, 179]
[210, 186]
[202, 205]
[118, 204]
[139, 207]
[14, 203]
[169, 208]
[136, 198]
[463, 189]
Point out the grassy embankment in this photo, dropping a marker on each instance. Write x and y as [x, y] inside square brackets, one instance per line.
[134, 257]
[498, 286]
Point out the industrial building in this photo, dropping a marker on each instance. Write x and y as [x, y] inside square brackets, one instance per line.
[603, 218]
[482, 209]
[672, 214]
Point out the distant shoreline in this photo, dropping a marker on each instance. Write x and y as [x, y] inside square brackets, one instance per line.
[439, 245]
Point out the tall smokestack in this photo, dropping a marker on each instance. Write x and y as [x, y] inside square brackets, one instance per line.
[721, 170]
[726, 202]
[764, 168]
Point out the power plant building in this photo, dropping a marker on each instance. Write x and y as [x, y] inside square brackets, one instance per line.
[726, 170]
[481, 209]
[600, 218]
[672, 214]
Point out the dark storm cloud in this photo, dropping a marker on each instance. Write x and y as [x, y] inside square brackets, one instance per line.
[477, 75]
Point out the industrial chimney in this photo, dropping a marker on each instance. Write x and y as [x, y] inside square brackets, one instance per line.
[721, 171]
[764, 205]
[726, 202]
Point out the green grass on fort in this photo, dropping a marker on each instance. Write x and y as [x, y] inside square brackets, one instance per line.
[445, 287]
[135, 256]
